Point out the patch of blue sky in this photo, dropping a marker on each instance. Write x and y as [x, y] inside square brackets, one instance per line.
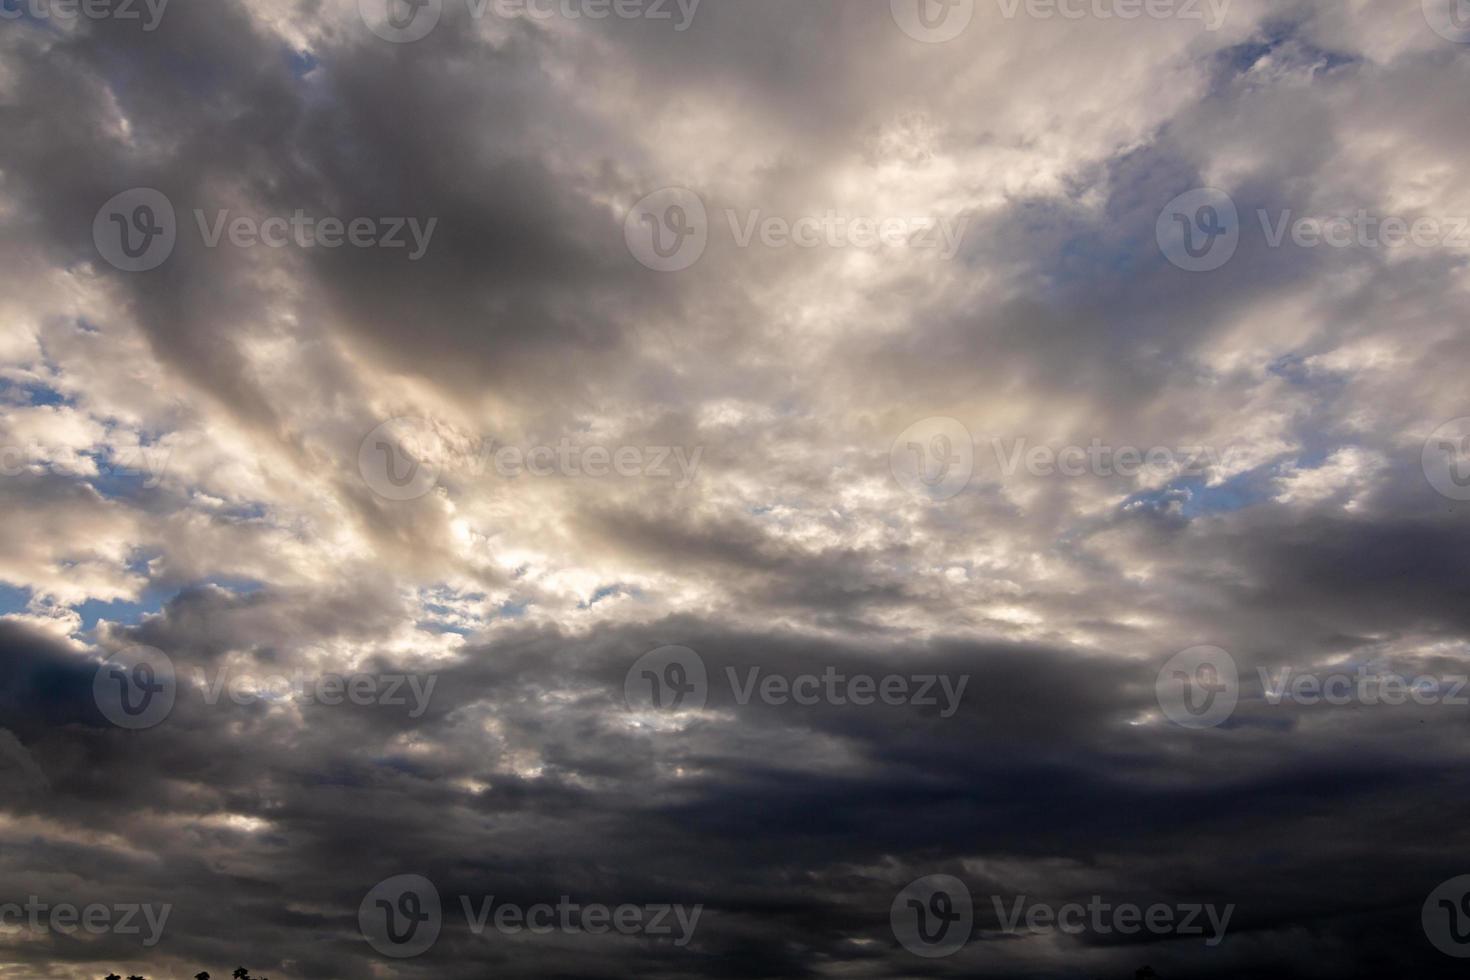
[1239, 59]
[609, 592]
[439, 627]
[154, 597]
[515, 609]
[301, 63]
[1192, 497]
[125, 479]
[124, 612]
[30, 393]
[13, 599]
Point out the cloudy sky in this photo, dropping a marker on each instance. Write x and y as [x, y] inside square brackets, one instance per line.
[862, 477]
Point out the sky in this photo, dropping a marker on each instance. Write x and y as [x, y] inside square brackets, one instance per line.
[734, 488]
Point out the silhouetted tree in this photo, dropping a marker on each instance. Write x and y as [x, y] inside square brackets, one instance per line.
[239, 974]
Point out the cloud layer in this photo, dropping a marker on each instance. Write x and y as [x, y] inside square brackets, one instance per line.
[932, 392]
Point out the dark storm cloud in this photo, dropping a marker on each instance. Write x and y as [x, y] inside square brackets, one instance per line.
[798, 855]
[526, 281]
